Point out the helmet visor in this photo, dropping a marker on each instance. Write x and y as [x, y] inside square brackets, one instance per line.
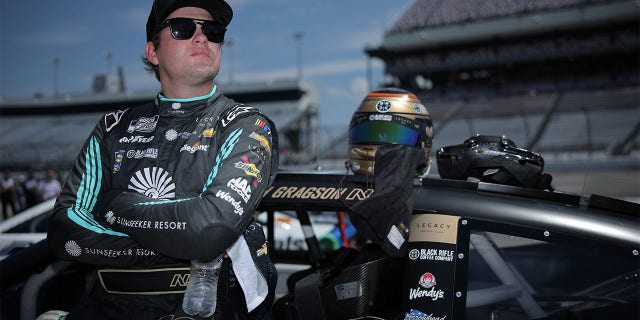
[383, 132]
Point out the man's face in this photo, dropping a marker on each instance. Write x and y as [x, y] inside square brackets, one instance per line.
[187, 62]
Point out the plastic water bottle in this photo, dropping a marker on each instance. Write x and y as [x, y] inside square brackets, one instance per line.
[200, 296]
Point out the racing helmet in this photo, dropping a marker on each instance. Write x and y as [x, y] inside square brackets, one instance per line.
[493, 159]
[389, 115]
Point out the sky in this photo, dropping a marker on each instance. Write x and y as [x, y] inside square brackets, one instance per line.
[82, 34]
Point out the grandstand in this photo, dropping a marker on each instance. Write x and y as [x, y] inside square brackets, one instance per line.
[543, 64]
[43, 133]
[558, 77]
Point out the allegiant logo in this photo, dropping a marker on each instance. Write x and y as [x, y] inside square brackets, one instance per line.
[196, 147]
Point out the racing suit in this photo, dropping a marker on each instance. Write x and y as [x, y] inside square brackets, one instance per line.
[158, 185]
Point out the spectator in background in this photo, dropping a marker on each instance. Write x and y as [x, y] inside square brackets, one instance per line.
[8, 194]
[31, 190]
[50, 186]
[21, 202]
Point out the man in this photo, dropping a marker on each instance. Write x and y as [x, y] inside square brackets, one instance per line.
[8, 195]
[50, 186]
[31, 189]
[171, 181]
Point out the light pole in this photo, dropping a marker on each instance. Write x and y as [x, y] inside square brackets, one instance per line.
[108, 59]
[56, 63]
[230, 44]
[298, 38]
[109, 81]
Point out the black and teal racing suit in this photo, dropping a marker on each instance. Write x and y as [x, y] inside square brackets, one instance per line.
[161, 184]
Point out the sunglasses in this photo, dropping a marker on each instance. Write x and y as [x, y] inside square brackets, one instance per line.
[185, 28]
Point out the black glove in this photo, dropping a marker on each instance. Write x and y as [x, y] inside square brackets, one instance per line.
[385, 216]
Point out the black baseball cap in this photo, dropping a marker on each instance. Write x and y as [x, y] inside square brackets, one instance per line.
[161, 9]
